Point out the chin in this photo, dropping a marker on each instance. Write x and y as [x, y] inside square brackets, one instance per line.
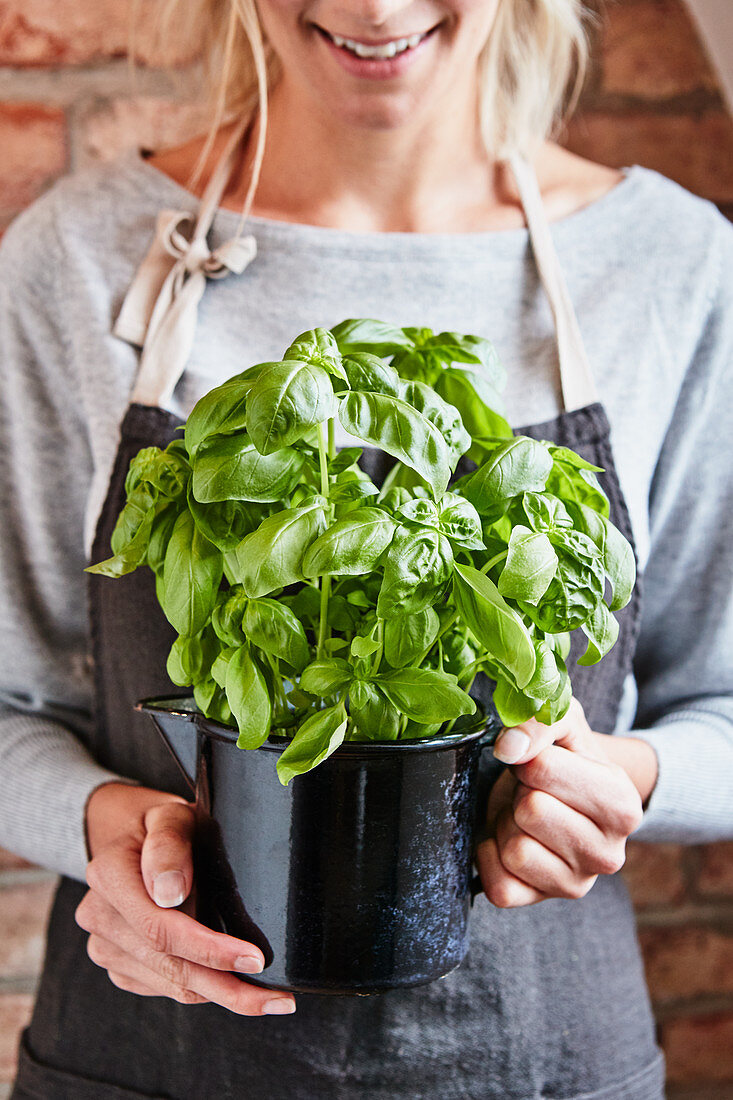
[371, 113]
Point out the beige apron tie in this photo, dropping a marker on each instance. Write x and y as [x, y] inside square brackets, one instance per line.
[160, 311]
[578, 384]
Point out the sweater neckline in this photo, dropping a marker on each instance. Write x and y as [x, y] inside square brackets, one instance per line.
[323, 239]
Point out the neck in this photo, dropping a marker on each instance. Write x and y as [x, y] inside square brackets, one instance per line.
[430, 175]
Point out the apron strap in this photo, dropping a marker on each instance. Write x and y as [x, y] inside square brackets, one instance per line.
[578, 384]
[160, 310]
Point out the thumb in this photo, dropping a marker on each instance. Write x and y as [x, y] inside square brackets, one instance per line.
[166, 860]
[520, 744]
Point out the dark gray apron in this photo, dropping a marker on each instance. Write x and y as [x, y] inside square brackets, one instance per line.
[550, 1002]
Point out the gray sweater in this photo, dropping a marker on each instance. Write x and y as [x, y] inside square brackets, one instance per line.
[649, 270]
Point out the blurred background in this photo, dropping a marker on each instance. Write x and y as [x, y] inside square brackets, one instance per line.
[659, 94]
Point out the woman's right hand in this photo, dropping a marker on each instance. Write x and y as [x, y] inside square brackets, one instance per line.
[140, 871]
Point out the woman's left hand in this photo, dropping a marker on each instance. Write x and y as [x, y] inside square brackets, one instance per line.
[560, 815]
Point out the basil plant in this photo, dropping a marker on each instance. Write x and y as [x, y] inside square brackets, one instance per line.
[313, 604]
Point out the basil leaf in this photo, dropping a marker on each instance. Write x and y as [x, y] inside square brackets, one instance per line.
[346, 459]
[371, 374]
[285, 402]
[417, 569]
[220, 665]
[326, 677]
[132, 528]
[460, 522]
[318, 346]
[227, 616]
[577, 485]
[559, 643]
[576, 589]
[271, 557]
[458, 652]
[445, 417]
[618, 556]
[394, 496]
[401, 431]
[364, 334]
[212, 701]
[226, 522]
[164, 521]
[231, 468]
[530, 565]
[555, 709]
[352, 545]
[172, 472]
[546, 679]
[130, 537]
[407, 638]
[545, 512]
[414, 731]
[190, 659]
[494, 623]
[480, 407]
[602, 632]
[167, 472]
[455, 347]
[350, 486]
[512, 705]
[363, 645]
[221, 410]
[272, 627]
[373, 717]
[317, 738]
[191, 576]
[420, 510]
[571, 458]
[181, 661]
[359, 694]
[249, 700]
[358, 599]
[141, 468]
[581, 547]
[517, 466]
[424, 696]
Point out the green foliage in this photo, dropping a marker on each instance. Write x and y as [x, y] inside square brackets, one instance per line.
[351, 545]
[394, 426]
[228, 468]
[312, 604]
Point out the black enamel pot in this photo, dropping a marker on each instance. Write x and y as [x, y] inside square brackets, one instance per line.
[356, 878]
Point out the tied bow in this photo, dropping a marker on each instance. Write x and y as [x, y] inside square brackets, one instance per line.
[160, 310]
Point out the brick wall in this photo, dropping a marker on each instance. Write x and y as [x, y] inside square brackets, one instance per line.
[651, 99]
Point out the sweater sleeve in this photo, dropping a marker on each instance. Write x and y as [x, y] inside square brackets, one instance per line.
[45, 464]
[684, 658]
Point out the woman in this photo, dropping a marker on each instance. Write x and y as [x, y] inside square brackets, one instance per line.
[396, 189]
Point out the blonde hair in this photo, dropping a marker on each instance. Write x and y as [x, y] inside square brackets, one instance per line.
[531, 68]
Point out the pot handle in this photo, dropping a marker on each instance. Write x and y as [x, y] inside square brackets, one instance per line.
[475, 887]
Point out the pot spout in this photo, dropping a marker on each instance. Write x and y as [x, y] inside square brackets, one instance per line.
[177, 726]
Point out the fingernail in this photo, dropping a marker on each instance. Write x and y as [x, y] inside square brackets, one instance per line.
[169, 889]
[248, 964]
[511, 746]
[283, 1006]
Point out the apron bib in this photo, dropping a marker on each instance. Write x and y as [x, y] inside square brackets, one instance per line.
[551, 1000]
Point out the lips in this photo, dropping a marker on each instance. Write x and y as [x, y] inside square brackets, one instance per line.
[390, 65]
[405, 41]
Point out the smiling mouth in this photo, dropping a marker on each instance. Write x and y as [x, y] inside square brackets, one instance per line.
[384, 49]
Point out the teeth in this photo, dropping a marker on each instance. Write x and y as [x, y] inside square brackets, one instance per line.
[389, 49]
